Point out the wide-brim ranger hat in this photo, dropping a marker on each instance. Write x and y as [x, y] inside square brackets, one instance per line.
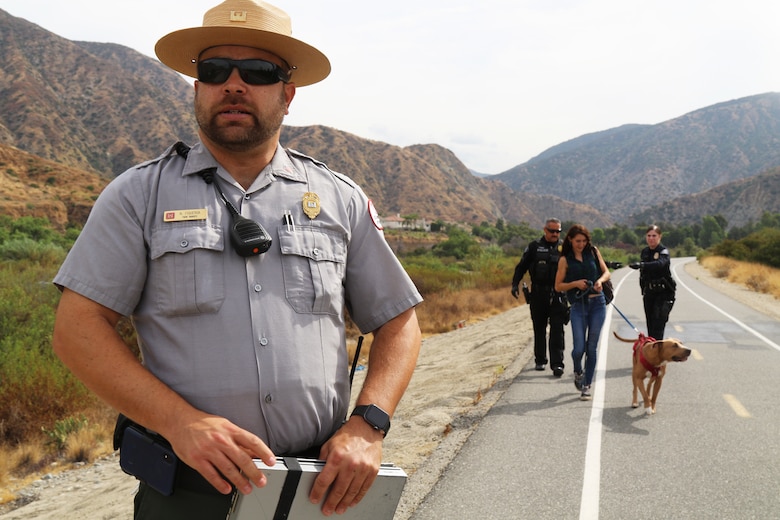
[249, 23]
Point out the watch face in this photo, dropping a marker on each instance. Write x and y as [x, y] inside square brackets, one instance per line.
[376, 417]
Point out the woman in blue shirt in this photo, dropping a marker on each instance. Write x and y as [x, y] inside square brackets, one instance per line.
[581, 273]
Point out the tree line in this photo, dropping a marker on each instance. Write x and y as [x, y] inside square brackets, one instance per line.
[757, 241]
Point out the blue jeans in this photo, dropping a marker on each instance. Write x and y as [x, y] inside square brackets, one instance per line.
[587, 318]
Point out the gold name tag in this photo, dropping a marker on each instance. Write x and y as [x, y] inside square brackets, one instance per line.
[183, 215]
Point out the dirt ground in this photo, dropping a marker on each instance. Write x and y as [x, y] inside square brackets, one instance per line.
[459, 376]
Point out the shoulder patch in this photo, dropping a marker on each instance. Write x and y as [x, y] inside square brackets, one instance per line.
[374, 215]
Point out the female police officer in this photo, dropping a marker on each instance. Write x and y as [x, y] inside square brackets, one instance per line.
[655, 279]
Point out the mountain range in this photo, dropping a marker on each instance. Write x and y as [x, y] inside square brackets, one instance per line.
[75, 114]
[634, 168]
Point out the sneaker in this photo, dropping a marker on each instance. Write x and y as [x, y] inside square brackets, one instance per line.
[585, 395]
[578, 380]
[558, 371]
[540, 367]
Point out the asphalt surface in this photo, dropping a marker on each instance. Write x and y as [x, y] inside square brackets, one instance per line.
[712, 450]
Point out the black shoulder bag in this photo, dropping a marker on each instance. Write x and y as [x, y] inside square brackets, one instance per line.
[606, 287]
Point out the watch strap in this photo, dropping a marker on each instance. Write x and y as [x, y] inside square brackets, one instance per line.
[374, 416]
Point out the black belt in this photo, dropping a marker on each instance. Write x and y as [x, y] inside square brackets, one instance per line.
[189, 479]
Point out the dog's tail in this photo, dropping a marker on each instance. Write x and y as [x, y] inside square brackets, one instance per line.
[624, 340]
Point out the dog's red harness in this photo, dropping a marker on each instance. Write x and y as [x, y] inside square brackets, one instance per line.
[642, 340]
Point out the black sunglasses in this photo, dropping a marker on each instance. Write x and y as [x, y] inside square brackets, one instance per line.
[252, 72]
[553, 230]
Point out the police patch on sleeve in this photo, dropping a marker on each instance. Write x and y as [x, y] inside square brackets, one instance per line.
[374, 215]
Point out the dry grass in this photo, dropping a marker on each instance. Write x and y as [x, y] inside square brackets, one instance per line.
[90, 443]
[22, 464]
[756, 277]
[443, 312]
[446, 311]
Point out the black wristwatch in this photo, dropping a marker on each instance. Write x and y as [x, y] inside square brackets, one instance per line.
[374, 416]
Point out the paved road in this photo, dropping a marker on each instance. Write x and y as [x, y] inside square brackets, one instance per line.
[711, 451]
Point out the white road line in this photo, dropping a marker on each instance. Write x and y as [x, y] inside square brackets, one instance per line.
[729, 316]
[591, 482]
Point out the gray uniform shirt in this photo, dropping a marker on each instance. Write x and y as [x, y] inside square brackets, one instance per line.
[257, 340]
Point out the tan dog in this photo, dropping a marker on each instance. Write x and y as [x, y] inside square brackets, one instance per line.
[650, 358]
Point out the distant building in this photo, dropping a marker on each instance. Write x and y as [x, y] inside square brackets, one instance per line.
[393, 222]
[398, 222]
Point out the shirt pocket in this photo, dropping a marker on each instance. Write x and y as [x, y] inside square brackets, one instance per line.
[313, 263]
[186, 271]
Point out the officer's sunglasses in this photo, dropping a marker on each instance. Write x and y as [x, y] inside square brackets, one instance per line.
[252, 72]
[553, 230]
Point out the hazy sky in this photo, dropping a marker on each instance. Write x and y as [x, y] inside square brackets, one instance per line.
[495, 81]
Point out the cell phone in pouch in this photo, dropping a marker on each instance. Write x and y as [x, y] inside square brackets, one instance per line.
[148, 459]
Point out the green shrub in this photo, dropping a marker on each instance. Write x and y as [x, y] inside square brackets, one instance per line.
[432, 275]
[761, 247]
[35, 387]
[58, 436]
[45, 253]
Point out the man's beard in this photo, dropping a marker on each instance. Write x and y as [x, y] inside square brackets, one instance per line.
[239, 138]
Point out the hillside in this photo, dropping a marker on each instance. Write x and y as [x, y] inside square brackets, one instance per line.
[99, 107]
[35, 187]
[626, 170]
[424, 180]
[739, 202]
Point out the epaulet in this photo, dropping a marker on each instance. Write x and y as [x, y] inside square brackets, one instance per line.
[321, 164]
[300, 155]
[173, 150]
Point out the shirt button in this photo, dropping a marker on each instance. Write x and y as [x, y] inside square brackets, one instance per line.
[247, 196]
[264, 341]
[184, 243]
[316, 252]
[268, 398]
[258, 287]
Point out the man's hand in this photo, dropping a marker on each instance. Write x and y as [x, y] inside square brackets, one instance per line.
[635, 265]
[221, 452]
[515, 291]
[352, 459]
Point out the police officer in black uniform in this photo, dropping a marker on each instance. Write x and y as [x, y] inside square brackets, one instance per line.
[655, 280]
[540, 260]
